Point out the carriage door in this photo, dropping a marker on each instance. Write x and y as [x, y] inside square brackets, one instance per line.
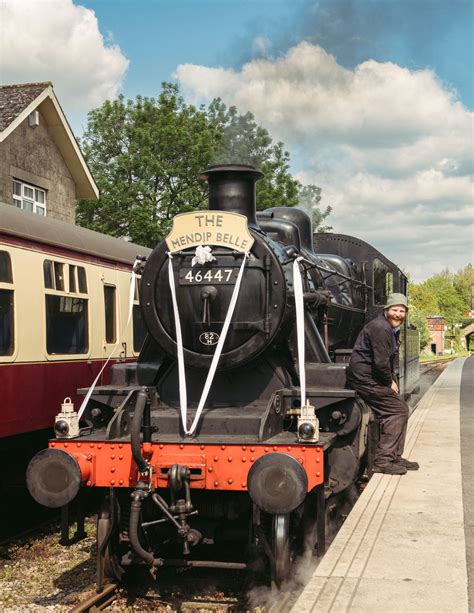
[111, 315]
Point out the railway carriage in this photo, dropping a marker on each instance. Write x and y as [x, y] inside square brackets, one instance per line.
[64, 295]
[236, 424]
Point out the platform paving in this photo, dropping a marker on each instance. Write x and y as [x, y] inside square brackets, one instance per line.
[402, 548]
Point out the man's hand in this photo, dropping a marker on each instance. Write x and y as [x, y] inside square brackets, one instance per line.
[394, 387]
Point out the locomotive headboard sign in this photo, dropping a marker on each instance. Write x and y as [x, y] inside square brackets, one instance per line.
[210, 228]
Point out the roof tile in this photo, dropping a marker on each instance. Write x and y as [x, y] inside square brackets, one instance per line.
[15, 98]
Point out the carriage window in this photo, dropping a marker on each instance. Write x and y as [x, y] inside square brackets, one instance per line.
[5, 268]
[77, 279]
[6, 306]
[48, 274]
[59, 276]
[66, 325]
[66, 316]
[110, 314]
[81, 277]
[382, 282]
[139, 331]
[72, 279]
[53, 273]
[6, 322]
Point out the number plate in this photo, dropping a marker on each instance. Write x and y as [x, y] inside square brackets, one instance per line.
[208, 276]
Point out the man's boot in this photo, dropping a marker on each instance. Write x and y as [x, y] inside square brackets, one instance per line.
[407, 464]
[390, 468]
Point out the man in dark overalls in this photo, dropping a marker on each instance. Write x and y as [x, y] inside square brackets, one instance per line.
[371, 373]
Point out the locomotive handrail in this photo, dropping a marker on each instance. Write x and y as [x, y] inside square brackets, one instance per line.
[336, 272]
[299, 302]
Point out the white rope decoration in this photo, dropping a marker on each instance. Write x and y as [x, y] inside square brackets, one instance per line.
[183, 398]
[217, 353]
[299, 304]
[133, 281]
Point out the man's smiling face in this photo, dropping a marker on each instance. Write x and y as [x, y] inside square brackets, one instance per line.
[396, 315]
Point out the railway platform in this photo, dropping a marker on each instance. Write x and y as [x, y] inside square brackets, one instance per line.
[408, 544]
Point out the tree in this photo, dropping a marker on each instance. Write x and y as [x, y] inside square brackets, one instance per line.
[146, 156]
[438, 296]
[418, 319]
[449, 302]
[245, 142]
[424, 298]
[464, 285]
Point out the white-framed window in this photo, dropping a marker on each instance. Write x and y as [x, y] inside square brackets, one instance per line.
[67, 314]
[29, 197]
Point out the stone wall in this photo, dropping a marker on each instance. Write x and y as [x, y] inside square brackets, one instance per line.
[30, 155]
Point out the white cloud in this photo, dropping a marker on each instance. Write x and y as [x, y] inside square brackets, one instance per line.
[59, 41]
[261, 46]
[391, 147]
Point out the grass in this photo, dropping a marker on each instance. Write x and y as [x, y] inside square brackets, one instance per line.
[38, 574]
[442, 358]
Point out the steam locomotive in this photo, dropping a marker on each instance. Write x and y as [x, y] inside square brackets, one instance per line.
[236, 424]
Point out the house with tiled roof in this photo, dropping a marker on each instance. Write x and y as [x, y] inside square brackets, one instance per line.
[42, 169]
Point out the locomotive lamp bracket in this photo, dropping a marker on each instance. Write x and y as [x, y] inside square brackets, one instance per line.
[139, 264]
[66, 422]
[271, 422]
[308, 425]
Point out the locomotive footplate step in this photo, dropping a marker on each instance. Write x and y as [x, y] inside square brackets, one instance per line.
[283, 438]
[326, 439]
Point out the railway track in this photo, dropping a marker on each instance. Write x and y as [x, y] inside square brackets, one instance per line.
[433, 363]
[110, 593]
[98, 602]
[218, 606]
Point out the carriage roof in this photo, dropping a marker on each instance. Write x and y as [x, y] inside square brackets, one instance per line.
[53, 232]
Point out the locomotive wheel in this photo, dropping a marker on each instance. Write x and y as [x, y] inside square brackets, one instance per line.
[108, 564]
[281, 548]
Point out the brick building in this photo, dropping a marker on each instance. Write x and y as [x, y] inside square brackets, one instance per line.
[437, 328]
[42, 169]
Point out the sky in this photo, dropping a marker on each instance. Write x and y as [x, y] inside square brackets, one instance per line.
[372, 98]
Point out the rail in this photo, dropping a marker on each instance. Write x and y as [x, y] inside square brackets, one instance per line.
[97, 602]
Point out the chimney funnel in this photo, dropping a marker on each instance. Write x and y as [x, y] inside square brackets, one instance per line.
[232, 189]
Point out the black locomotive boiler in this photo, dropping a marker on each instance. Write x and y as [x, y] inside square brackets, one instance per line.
[236, 424]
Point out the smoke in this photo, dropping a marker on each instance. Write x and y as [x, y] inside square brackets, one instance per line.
[353, 30]
[262, 597]
[416, 35]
